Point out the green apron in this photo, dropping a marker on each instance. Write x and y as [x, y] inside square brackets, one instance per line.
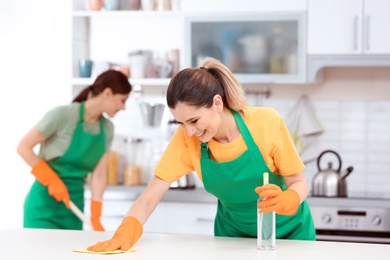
[234, 183]
[85, 149]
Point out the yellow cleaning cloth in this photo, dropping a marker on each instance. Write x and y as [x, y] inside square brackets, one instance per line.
[86, 251]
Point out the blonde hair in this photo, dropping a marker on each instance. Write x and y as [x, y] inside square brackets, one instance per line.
[235, 95]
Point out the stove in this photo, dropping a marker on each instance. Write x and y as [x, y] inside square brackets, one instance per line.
[352, 219]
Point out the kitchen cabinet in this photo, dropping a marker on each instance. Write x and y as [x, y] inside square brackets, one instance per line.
[348, 27]
[377, 34]
[257, 47]
[168, 217]
[113, 211]
[190, 218]
[103, 36]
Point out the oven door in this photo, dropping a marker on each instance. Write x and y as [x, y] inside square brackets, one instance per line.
[339, 221]
[353, 236]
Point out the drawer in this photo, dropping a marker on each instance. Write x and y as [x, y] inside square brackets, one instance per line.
[157, 221]
[190, 218]
[113, 211]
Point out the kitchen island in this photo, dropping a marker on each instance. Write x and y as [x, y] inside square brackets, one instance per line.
[45, 244]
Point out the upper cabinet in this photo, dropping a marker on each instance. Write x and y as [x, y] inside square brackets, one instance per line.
[256, 47]
[348, 27]
[151, 45]
[376, 30]
[347, 33]
[261, 41]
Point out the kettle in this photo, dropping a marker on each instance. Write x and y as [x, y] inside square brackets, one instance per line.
[330, 182]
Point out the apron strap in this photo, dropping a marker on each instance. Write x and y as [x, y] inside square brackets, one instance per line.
[243, 129]
[204, 149]
[81, 113]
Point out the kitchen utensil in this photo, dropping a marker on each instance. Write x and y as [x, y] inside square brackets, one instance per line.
[254, 49]
[80, 214]
[138, 60]
[330, 182]
[173, 57]
[162, 5]
[152, 112]
[185, 182]
[165, 68]
[124, 69]
[111, 5]
[85, 68]
[129, 4]
[160, 68]
[94, 5]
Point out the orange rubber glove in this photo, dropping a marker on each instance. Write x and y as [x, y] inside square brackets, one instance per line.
[96, 212]
[124, 237]
[282, 202]
[47, 177]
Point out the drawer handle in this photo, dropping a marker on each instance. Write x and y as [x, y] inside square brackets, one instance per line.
[355, 32]
[204, 220]
[368, 20]
[113, 216]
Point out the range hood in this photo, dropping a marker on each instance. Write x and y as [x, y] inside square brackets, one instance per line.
[315, 63]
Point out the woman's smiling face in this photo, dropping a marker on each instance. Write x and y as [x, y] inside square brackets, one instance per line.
[202, 122]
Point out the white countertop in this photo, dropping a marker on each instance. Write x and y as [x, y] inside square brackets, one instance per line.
[200, 195]
[45, 244]
[131, 193]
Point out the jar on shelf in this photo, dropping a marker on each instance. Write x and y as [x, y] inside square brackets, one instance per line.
[94, 5]
[162, 5]
[130, 4]
[112, 168]
[134, 156]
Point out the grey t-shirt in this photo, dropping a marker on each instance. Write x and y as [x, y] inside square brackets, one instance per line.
[58, 126]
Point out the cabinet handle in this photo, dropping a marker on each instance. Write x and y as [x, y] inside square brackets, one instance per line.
[368, 22]
[204, 220]
[114, 216]
[355, 32]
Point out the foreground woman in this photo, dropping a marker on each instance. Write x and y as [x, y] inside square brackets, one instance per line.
[230, 146]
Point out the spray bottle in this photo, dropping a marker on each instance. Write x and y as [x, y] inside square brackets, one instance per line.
[265, 225]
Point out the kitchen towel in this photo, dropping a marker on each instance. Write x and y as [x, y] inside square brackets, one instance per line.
[305, 129]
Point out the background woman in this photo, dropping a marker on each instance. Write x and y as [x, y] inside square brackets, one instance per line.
[74, 141]
[230, 146]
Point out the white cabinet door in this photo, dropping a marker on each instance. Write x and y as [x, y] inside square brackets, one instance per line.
[376, 26]
[335, 26]
[348, 27]
[157, 221]
[113, 212]
[190, 218]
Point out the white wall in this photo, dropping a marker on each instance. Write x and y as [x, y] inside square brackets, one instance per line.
[34, 69]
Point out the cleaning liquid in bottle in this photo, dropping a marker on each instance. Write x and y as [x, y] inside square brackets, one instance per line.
[265, 226]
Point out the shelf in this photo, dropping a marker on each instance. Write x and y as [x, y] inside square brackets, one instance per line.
[125, 13]
[315, 63]
[142, 82]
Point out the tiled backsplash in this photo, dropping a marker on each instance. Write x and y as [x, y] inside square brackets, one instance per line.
[359, 131]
